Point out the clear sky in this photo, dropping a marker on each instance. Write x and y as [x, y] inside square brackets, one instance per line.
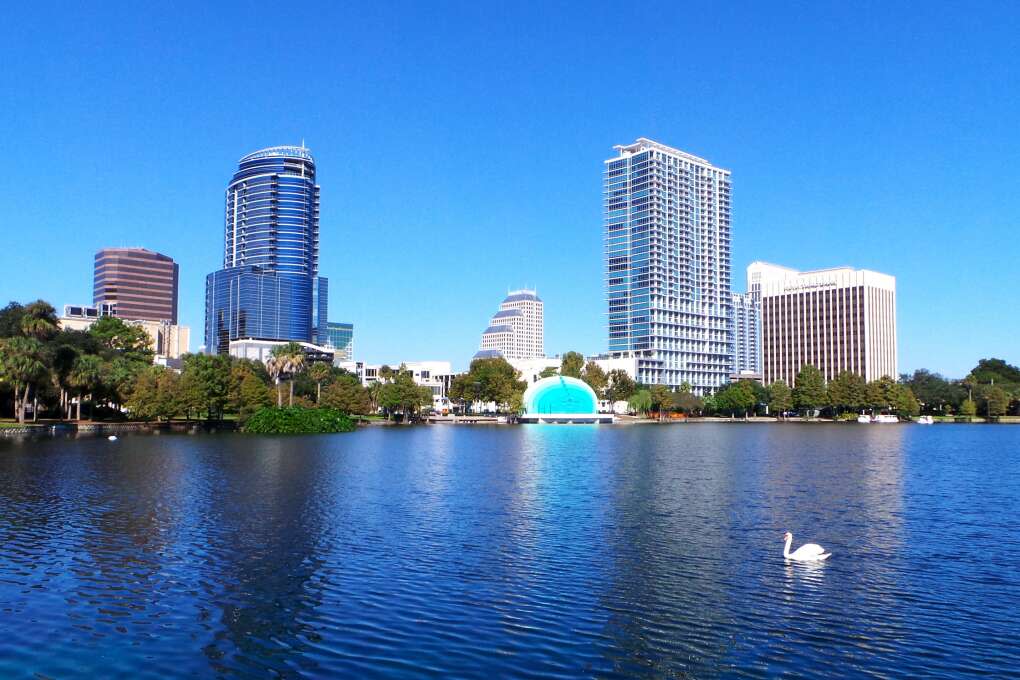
[460, 147]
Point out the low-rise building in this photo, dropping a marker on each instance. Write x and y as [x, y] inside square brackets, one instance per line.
[261, 350]
[168, 341]
[435, 375]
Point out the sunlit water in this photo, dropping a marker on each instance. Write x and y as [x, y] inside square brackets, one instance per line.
[534, 551]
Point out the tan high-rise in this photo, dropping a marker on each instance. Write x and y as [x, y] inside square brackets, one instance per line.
[837, 320]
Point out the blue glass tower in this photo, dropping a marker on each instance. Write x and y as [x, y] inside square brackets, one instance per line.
[667, 264]
[269, 287]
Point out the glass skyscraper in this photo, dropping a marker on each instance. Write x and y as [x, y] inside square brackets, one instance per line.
[667, 260]
[269, 287]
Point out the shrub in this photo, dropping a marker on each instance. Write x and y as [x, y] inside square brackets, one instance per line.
[298, 421]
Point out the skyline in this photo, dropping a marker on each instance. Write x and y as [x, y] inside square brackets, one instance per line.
[482, 176]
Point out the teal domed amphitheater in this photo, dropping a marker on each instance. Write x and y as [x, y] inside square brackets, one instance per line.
[561, 399]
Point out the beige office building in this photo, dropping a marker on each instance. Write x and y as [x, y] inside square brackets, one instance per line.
[837, 320]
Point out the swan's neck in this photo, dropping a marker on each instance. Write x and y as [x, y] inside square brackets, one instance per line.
[786, 548]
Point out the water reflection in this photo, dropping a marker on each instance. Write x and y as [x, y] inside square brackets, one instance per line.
[542, 550]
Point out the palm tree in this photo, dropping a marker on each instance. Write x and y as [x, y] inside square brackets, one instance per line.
[286, 361]
[85, 376]
[274, 366]
[21, 365]
[39, 320]
[320, 372]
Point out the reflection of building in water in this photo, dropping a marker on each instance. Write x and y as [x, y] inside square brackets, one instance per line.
[265, 559]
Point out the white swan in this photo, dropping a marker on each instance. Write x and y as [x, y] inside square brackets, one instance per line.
[809, 552]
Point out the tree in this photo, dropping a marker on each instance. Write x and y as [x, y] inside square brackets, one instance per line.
[809, 389]
[640, 401]
[286, 361]
[904, 403]
[548, 372]
[253, 394]
[780, 398]
[661, 398]
[21, 366]
[39, 321]
[117, 338]
[596, 378]
[688, 403]
[996, 401]
[620, 385]
[206, 380]
[320, 372]
[880, 394]
[492, 379]
[10, 320]
[572, 364]
[847, 392]
[935, 393]
[736, 398]
[347, 395]
[85, 377]
[143, 402]
[968, 408]
[404, 395]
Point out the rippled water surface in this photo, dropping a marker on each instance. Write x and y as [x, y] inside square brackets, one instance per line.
[649, 551]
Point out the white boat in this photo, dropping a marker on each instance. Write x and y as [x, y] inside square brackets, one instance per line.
[881, 418]
[925, 420]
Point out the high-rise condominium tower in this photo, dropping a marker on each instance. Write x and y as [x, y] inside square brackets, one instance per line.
[517, 330]
[667, 258]
[837, 320]
[269, 287]
[136, 284]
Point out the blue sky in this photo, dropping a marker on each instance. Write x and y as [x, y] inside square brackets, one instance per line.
[460, 149]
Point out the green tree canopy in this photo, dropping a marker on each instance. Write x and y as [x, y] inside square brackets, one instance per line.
[847, 392]
[809, 389]
[736, 398]
[688, 403]
[620, 385]
[596, 378]
[661, 397]
[346, 394]
[572, 364]
[492, 379]
[117, 338]
[22, 367]
[640, 401]
[780, 398]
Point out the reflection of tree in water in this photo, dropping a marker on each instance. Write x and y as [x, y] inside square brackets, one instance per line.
[265, 523]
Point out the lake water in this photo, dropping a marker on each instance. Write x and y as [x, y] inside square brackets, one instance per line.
[532, 551]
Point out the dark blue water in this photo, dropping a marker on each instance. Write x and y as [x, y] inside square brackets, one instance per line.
[534, 551]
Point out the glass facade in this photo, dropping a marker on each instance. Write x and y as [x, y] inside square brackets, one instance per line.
[269, 286]
[667, 259]
[340, 336]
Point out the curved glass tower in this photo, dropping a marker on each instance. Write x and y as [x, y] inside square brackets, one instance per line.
[269, 288]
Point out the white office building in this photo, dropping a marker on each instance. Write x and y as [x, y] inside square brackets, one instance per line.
[667, 263]
[435, 375]
[837, 320]
[517, 330]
